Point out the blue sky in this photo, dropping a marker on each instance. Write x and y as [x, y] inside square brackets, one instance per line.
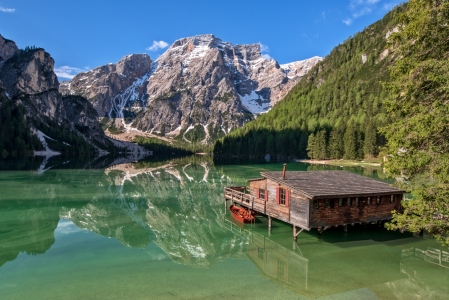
[81, 35]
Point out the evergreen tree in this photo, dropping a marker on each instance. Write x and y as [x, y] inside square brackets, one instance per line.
[302, 153]
[351, 140]
[311, 146]
[418, 137]
[370, 143]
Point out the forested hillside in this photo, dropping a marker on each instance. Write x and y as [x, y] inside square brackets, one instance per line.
[335, 112]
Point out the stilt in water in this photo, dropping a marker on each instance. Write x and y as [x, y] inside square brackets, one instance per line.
[269, 225]
[346, 228]
[296, 233]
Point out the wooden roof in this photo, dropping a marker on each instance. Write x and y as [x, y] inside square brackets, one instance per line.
[324, 184]
[255, 179]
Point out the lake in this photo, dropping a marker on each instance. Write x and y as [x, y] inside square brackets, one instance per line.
[158, 229]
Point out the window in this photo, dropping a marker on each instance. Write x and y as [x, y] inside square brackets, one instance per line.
[392, 198]
[340, 202]
[282, 196]
[369, 200]
[315, 203]
[357, 201]
[378, 199]
[348, 202]
[260, 253]
[327, 202]
[262, 193]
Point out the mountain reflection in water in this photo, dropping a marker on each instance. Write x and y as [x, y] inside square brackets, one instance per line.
[178, 204]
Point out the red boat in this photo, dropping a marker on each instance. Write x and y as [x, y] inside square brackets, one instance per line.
[241, 214]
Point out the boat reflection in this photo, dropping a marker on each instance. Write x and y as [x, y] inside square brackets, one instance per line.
[178, 205]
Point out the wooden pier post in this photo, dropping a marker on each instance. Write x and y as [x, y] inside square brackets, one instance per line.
[269, 225]
[296, 233]
[346, 228]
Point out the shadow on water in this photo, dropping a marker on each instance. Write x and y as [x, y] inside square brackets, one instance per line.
[177, 204]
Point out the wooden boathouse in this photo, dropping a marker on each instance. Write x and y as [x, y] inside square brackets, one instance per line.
[317, 199]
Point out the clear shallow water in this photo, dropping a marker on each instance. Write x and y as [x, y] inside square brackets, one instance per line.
[159, 230]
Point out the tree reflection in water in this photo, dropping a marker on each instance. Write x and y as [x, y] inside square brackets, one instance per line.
[178, 205]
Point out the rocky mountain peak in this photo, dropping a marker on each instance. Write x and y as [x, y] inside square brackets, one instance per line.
[199, 80]
[248, 52]
[204, 40]
[7, 49]
[134, 65]
[27, 78]
[300, 68]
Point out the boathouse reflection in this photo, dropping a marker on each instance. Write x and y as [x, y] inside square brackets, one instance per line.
[178, 205]
[319, 269]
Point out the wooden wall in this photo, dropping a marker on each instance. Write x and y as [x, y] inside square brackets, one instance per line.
[298, 210]
[340, 215]
[257, 184]
[299, 206]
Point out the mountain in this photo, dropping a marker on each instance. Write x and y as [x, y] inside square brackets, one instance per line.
[334, 111]
[200, 84]
[35, 115]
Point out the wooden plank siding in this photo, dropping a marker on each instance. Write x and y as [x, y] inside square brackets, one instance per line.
[299, 211]
[307, 188]
[296, 213]
[362, 213]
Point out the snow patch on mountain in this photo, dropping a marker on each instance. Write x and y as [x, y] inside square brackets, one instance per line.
[254, 103]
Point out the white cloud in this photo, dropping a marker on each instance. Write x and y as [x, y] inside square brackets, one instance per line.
[157, 45]
[360, 8]
[264, 48]
[266, 56]
[67, 227]
[7, 10]
[364, 11]
[348, 21]
[67, 72]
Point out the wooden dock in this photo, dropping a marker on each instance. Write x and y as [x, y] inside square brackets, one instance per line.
[317, 199]
[242, 195]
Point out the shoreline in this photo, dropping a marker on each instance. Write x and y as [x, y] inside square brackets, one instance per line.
[335, 162]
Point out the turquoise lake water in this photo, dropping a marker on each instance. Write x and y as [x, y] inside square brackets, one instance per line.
[159, 230]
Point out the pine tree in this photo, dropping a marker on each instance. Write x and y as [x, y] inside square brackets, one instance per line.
[310, 146]
[351, 140]
[418, 137]
[370, 142]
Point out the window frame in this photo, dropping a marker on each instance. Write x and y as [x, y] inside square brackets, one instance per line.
[315, 204]
[368, 201]
[379, 200]
[357, 201]
[282, 193]
[327, 203]
[392, 199]
[340, 202]
[262, 193]
[348, 201]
